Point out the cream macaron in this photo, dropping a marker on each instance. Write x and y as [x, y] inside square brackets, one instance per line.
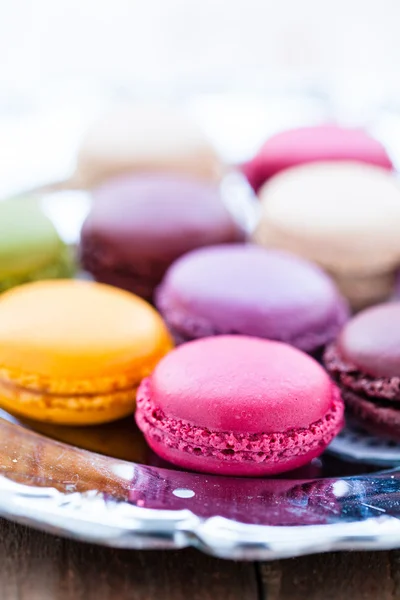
[343, 216]
[136, 138]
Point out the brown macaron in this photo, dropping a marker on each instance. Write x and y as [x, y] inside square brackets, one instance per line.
[140, 224]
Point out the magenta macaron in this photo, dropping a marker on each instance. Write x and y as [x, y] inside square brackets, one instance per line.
[249, 290]
[304, 145]
[365, 362]
[236, 405]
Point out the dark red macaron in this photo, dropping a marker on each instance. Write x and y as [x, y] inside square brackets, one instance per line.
[139, 224]
[365, 361]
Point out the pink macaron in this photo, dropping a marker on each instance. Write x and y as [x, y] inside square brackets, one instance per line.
[236, 405]
[305, 145]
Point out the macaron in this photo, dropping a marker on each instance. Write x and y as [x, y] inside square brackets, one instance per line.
[246, 289]
[137, 138]
[365, 361]
[343, 216]
[140, 224]
[236, 405]
[30, 247]
[74, 352]
[303, 145]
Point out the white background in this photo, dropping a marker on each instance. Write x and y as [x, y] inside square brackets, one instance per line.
[348, 42]
[53, 51]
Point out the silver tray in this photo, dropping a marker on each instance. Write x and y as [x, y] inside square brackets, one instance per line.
[65, 490]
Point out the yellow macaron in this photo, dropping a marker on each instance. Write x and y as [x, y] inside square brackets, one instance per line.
[74, 352]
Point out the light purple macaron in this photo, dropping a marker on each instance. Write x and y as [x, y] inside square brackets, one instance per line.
[252, 291]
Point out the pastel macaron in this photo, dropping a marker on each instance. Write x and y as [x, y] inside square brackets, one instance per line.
[138, 138]
[139, 225]
[365, 362]
[246, 289]
[74, 352]
[345, 217]
[295, 147]
[236, 405]
[30, 247]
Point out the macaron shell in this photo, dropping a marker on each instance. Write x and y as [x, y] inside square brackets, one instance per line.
[193, 215]
[314, 144]
[241, 384]
[248, 290]
[63, 266]
[60, 332]
[343, 216]
[145, 138]
[371, 341]
[125, 242]
[30, 246]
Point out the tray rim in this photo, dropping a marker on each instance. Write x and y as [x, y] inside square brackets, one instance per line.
[95, 517]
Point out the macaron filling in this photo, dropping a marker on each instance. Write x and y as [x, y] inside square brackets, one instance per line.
[74, 352]
[74, 408]
[373, 402]
[377, 416]
[226, 446]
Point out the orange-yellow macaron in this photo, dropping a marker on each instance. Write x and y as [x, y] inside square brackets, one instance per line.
[74, 352]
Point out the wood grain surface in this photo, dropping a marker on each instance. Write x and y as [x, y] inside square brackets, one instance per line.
[37, 566]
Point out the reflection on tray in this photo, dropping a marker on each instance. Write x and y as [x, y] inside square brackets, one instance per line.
[36, 460]
[123, 440]
[120, 439]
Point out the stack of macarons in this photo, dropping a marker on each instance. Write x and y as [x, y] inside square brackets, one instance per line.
[327, 193]
[244, 392]
[326, 243]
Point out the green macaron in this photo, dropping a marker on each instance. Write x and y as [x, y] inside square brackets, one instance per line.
[30, 247]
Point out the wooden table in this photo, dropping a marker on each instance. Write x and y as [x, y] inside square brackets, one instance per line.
[37, 566]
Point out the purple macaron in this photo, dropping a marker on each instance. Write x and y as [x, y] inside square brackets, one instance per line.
[139, 224]
[249, 290]
[365, 361]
